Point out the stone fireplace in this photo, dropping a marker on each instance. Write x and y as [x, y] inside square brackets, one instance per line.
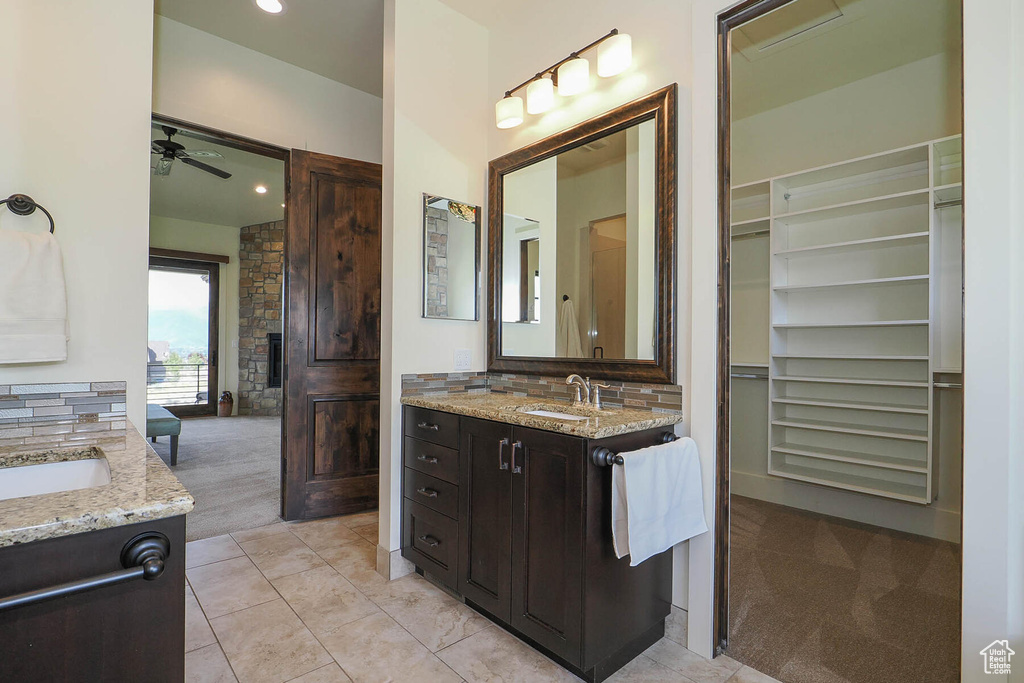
[260, 280]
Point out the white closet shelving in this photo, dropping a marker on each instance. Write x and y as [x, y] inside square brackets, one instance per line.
[860, 269]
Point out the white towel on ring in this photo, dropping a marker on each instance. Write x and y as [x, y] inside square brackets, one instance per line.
[33, 299]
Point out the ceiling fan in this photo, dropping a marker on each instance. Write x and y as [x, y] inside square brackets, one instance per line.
[170, 150]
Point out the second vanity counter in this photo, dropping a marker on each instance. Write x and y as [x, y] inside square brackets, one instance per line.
[510, 409]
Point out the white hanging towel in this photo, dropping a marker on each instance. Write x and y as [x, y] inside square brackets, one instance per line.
[657, 500]
[33, 299]
[569, 331]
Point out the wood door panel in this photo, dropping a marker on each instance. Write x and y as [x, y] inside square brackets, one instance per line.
[345, 310]
[332, 337]
[547, 540]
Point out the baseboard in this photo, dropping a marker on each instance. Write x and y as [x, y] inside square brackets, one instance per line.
[923, 520]
[391, 565]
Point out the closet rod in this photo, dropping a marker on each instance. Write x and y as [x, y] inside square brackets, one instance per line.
[947, 385]
[951, 202]
[755, 233]
[743, 375]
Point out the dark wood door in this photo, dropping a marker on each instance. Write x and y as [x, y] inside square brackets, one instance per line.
[547, 539]
[485, 522]
[330, 440]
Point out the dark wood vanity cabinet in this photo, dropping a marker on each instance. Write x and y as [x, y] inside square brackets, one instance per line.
[533, 535]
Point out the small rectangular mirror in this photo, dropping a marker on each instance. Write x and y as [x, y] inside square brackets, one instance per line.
[451, 259]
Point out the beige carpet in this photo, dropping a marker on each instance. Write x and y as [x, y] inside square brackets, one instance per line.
[817, 599]
[232, 467]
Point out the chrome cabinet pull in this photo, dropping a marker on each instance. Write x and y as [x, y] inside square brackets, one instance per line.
[427, 425]
[429, 461]
[502, 465]
[516, 469]
[430, 540]
[424, 491]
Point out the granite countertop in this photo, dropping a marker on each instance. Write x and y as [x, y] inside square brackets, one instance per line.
[141, 488]
[609, 421]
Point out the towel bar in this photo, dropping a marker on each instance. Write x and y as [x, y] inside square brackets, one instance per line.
[603, 457]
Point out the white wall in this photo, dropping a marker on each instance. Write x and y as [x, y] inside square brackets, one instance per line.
[203, 79]
[439, 148]
[173, 233]
[74, 134]
[912, 103]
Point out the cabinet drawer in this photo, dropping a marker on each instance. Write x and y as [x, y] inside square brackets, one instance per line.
[432, 492]
[430, 541]
[432, 425]
[432, 459]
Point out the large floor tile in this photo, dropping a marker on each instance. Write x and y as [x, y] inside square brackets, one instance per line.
[432, 616]
[229, 586]
[675, 625]
[331, 673]
[211, 550]
[493, 655]
[645, 670]
[375, 649]
[321, 534]
[259, 532]
[361, 519]
[281, 555]
[323, 599]
[357, 562]
[197, 630]
[748, 675]
[673, 655]
[268, 644]
[368, 531]
[207, 665]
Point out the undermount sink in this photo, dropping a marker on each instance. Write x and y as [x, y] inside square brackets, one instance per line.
[53, 477]
[554, 414]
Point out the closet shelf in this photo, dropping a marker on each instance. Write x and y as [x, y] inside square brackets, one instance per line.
[749, 222]
[858, 430]
[949, 193]
[869, 323]
[902, 240]
[852, 405]
[874, 282]
[852, 380]
[842, 357]
[899, 200]
[852, 482]
[880, 164]
[853, 457]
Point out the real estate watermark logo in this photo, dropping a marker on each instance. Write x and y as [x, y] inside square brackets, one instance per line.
[997, 657]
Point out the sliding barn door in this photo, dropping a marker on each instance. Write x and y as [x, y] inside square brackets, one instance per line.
[332, 337]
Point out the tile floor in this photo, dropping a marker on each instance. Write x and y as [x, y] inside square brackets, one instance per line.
[303, 602]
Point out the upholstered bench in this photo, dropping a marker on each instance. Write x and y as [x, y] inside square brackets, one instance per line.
[160, 422]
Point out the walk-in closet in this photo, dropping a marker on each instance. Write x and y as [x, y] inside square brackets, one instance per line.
[846, 314]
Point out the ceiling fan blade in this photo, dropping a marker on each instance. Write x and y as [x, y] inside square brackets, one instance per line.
[204, 167]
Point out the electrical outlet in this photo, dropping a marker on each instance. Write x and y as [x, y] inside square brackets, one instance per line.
[463, 359]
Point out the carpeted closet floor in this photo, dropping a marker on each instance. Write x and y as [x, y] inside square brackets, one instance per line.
[232, 467]
[817, 599]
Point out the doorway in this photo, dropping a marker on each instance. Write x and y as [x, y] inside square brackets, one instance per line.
[838, 526]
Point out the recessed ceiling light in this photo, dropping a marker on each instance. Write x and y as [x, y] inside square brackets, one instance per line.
[282, 206]
[270, 6]
[260, 189]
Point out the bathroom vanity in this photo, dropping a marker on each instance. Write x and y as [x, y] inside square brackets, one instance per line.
[92, 570]
[505, 505]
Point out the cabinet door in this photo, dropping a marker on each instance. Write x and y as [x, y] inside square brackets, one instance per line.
[547, 539]
[485, 522]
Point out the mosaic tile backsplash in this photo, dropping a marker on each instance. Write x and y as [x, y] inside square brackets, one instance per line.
[37, 417]
[657, 397]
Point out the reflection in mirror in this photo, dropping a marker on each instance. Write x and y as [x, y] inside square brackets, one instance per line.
[451, 259]
[588, 286]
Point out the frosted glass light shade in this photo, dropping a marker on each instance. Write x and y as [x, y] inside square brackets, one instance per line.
[573, 77]
[540, 96]
[508, 112]
[614, 55]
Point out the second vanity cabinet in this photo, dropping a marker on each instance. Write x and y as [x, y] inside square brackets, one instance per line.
[517, 521]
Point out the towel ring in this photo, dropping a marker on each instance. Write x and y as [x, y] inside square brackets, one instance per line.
[23, 205]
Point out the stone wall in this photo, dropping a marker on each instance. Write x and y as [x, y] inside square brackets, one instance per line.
[260, 280]
[437, 262]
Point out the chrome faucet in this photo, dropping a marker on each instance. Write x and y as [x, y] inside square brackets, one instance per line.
[582, 396]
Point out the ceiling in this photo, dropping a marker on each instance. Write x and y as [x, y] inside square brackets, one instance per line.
[339, 39]
[193, 195]
[832, 43]
[610, 149]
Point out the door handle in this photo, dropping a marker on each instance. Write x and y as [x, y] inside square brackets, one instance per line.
[516, 469]
[424, 491]
[430, 540]
[502, 465]
[429, 461]
[427, 425]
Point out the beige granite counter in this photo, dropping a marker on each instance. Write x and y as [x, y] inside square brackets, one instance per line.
[511, 409]
[141, 488]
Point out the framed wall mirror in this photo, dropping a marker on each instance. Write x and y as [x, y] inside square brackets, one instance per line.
[582, 248]
[451, 259]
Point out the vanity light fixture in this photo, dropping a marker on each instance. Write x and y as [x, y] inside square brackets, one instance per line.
[571, 76]
[270, 6]
[260, 189]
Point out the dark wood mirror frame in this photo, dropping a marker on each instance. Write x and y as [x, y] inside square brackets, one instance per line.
[659, 106]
